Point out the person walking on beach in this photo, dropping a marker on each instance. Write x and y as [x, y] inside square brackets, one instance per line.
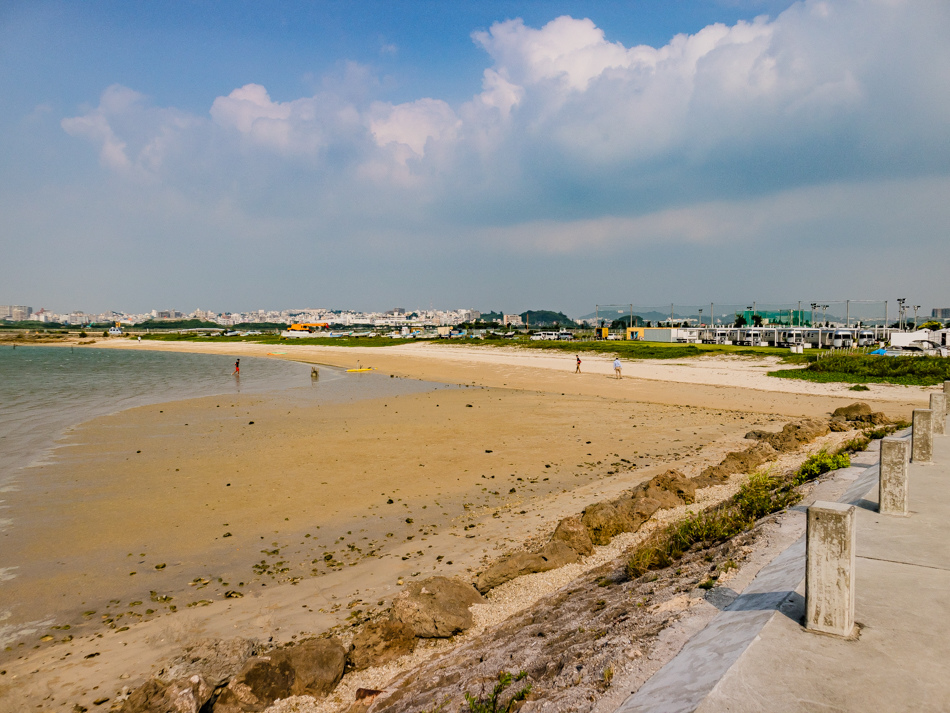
[617, 368]
[578, 369]
[237, 368]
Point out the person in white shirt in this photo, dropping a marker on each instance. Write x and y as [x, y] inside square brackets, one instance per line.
[617, 368]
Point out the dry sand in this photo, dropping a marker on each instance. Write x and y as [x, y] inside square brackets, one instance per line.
[211, 495]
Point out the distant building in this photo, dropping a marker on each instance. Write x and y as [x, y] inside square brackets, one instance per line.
[937, 313]
[512, 320]
[16, 313]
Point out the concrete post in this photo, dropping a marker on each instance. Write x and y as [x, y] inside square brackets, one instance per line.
[922, 440]
[892, 492]
[938, 404]
[829, 569]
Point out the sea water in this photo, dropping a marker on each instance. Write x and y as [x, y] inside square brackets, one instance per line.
[46, 390]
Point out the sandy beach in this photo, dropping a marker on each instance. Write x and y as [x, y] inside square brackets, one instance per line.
[271, 517]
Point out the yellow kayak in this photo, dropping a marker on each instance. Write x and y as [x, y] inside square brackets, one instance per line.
[365, 368]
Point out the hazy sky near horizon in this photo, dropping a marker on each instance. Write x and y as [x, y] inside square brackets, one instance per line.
[512, 155]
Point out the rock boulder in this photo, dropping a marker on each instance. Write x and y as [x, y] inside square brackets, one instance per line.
[571, 531]
[310, 668]
[184, 695]
[437, 607]
[380, 642]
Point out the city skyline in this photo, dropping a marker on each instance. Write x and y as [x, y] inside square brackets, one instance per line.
[523, 153]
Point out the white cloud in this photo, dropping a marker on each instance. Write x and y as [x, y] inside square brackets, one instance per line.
[580, 135]
[413, 123]
[132, 135]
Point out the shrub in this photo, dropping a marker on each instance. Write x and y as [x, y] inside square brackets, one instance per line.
[819, 463]
[82, 335]
[859, 387]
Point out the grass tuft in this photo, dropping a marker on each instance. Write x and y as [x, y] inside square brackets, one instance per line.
[492, 704]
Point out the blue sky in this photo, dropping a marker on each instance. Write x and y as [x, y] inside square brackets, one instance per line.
[504, 155]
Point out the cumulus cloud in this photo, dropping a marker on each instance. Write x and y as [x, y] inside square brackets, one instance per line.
[413, 123]
[570, 128]
[132, 135]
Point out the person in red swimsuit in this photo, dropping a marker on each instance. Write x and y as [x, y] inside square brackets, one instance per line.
[237, 368]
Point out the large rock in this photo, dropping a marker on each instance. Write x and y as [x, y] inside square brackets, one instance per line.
[855, 412]
[639, 509]
[437, 607]
[670, 489]
[380, 642]
[604, 520]
[184, 695]
[311, 668]
[318, 666]
[793, 435]
[571, 531]
[736, 462]
[554, 554]
[217, 660]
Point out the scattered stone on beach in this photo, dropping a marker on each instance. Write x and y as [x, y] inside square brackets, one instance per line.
[380, 642]
[183, 695]
[437, 607]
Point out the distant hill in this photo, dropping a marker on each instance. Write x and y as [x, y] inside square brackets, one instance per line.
[546, 318]
[176, 324]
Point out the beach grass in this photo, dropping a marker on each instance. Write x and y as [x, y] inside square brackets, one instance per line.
[634, 349]
[762, 494]
[864, 369]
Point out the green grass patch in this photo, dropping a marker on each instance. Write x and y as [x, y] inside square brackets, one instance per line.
[631, 349]
[865, 369]
[821, 463]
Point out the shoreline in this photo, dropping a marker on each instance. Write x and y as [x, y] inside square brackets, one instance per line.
[542, 406]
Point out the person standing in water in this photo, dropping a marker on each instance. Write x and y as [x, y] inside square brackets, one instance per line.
[237, 368]
[617, 368]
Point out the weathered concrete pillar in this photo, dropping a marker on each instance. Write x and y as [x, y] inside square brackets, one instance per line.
[829, 569]
[892, 492]
[922, 440]
[938, 404]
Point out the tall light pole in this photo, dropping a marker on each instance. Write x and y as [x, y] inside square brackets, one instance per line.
[916, 307]
[900, 313]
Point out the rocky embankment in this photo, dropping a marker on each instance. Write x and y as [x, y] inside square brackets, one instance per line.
[568, 645]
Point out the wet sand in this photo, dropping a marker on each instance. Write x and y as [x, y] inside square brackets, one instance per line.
[293, 511]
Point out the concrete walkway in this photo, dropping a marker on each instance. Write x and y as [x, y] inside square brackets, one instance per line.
[756, 656]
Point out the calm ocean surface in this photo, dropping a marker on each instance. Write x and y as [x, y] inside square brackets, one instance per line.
[46, 390]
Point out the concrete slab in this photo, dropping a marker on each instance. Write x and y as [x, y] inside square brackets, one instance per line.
[899, 662]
